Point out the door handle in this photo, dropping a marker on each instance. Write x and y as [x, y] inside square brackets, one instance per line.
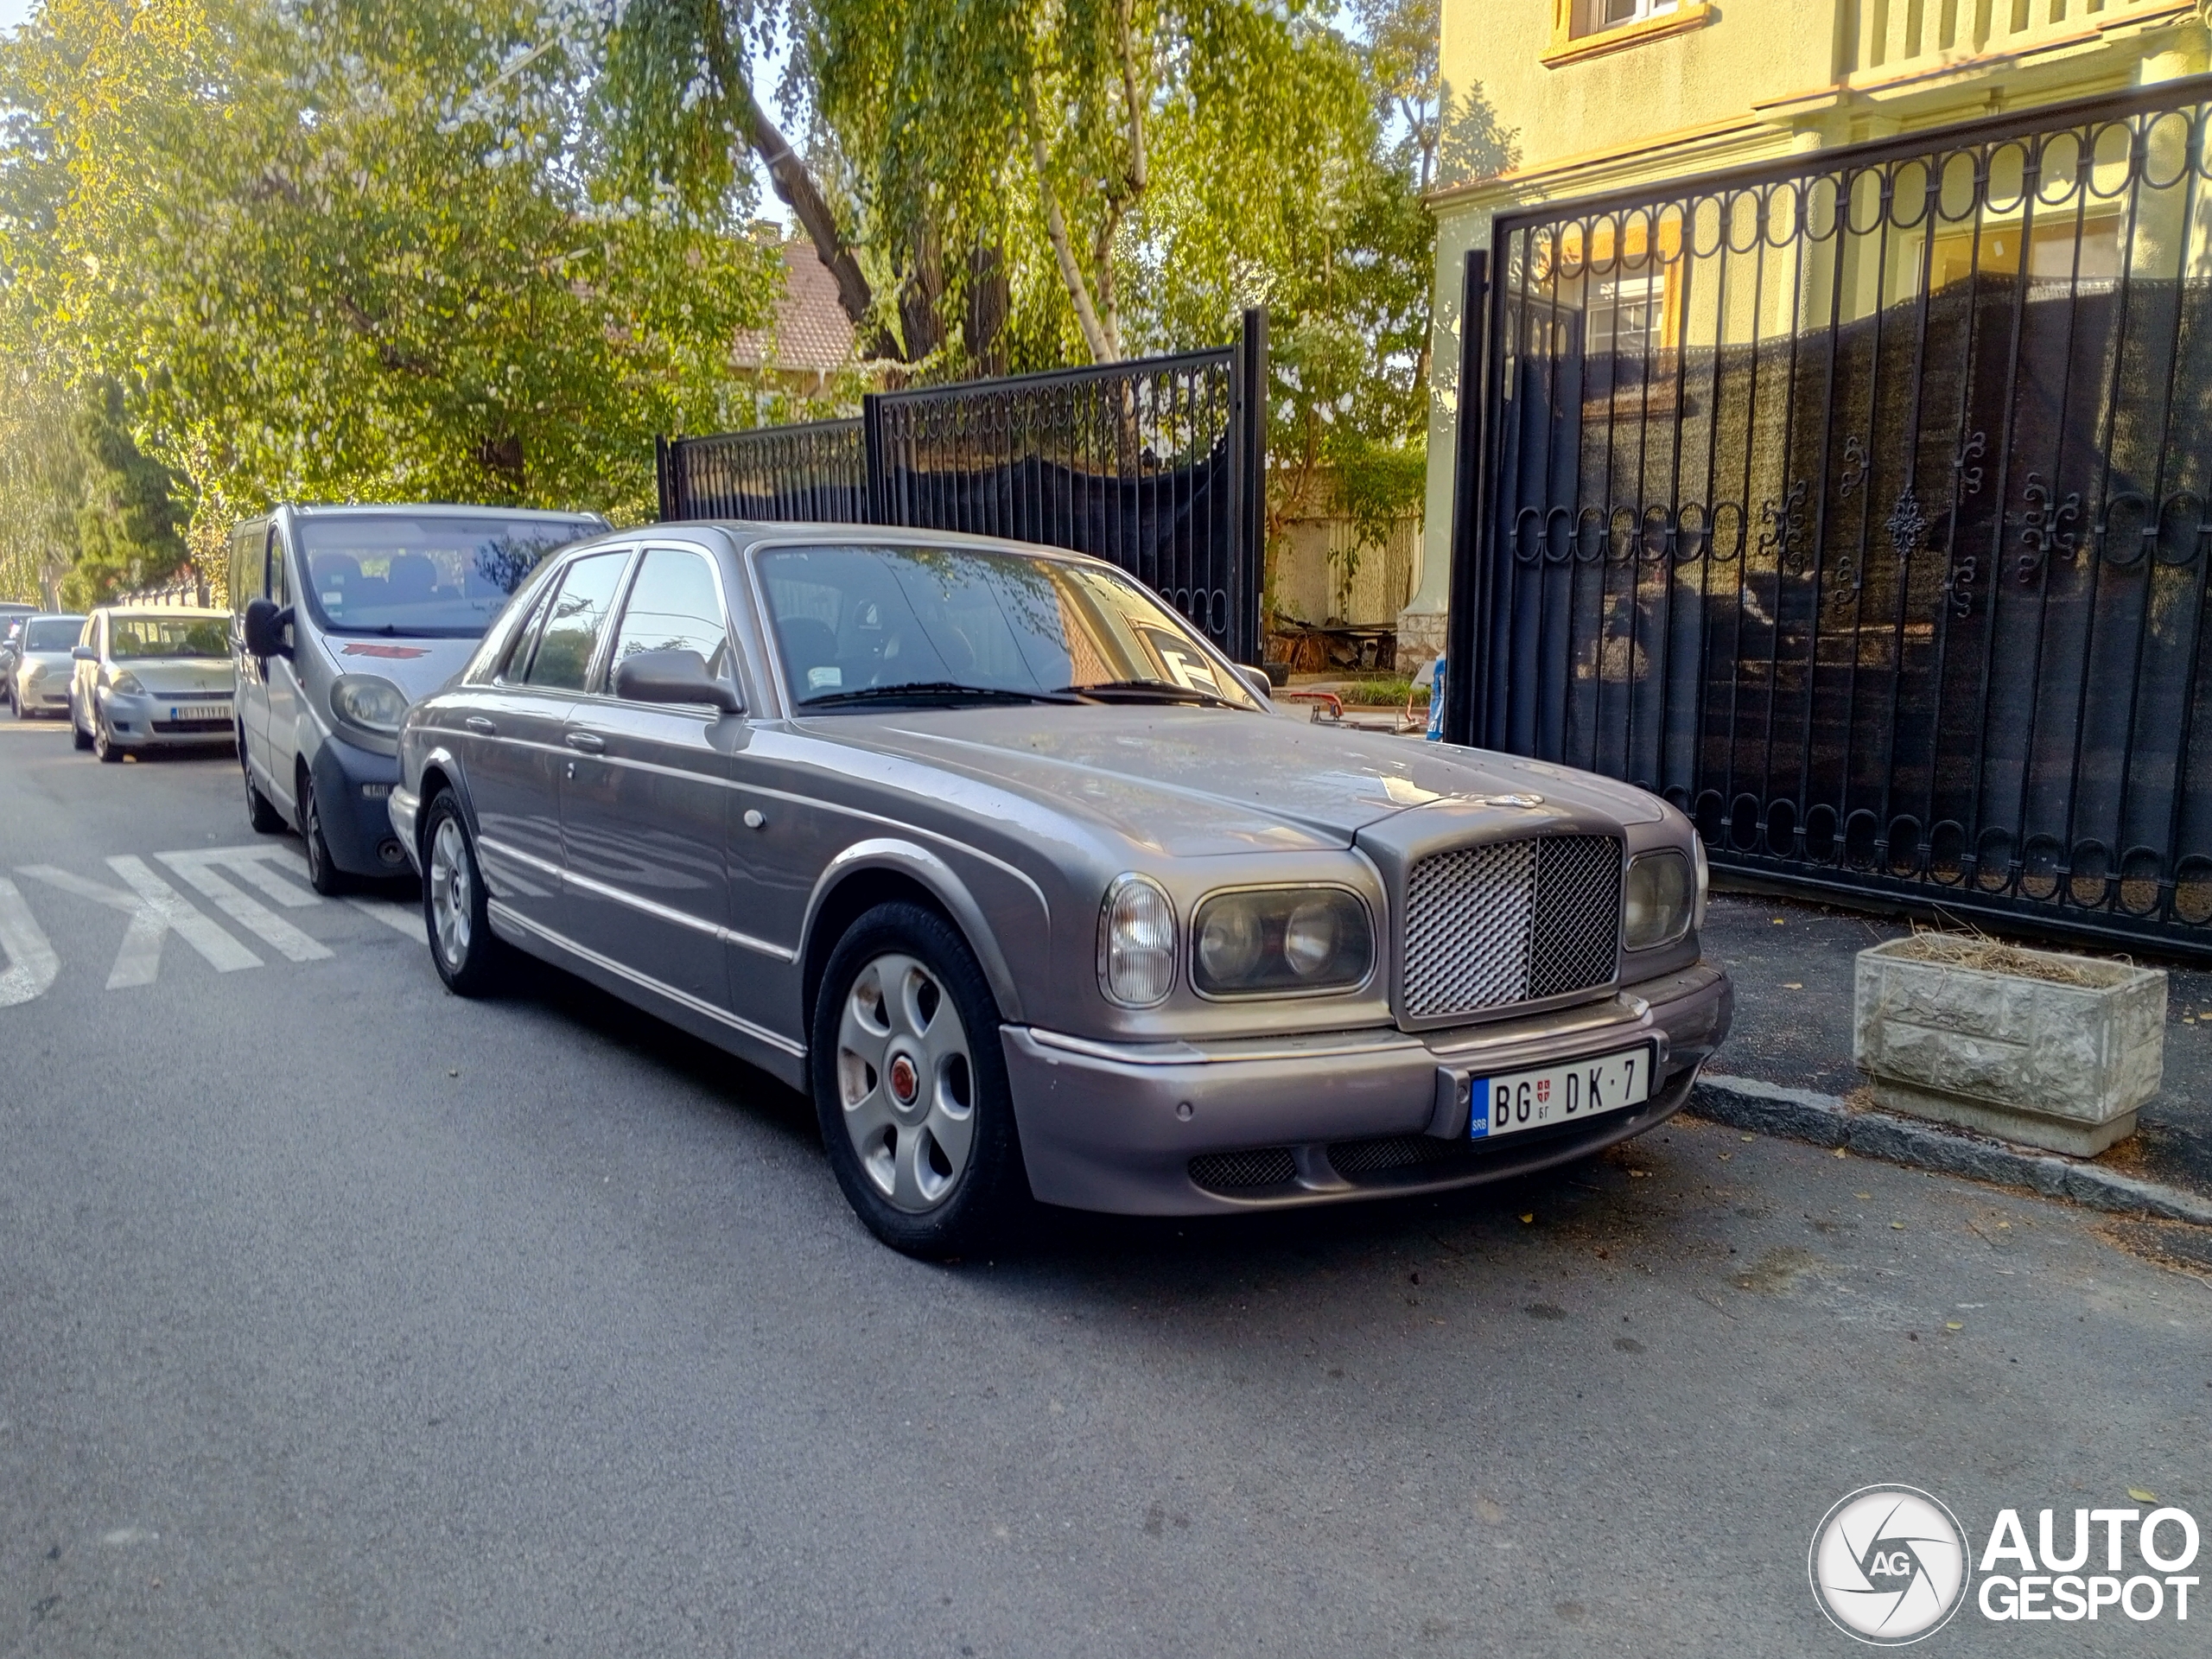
[480, 726]
[586, 742]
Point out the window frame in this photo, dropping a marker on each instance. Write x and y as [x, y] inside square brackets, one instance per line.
[1569, 46]
[600, 646]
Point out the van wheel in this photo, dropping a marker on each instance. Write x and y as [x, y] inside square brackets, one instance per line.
[910, 1085]
[323, 874]
[469, 957]
[266, 819]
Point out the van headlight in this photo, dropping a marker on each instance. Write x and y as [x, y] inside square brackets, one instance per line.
[1136, 943]
[368, 701]
[1280, 939]
[1660, 900]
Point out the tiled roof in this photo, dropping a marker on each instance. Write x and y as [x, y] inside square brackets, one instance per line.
[811, 333]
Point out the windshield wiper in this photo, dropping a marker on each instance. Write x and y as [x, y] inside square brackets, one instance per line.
[1152, 692]
[930, 691]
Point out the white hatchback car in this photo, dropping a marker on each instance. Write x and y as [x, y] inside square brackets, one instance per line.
[152, 676]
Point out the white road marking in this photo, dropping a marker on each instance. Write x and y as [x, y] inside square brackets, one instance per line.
[404, 918]
[156, 910]
[251, 865]
[31, 962]
[200, 869]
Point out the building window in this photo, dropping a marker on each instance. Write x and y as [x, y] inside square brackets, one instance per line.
[1595, 17]
[1586, 28]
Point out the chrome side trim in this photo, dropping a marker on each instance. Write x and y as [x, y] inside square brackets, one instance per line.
[515, 921]
[658, 911]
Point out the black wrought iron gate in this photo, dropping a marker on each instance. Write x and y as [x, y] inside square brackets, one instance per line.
[1859, 504]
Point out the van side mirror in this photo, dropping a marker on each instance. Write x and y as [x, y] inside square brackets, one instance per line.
[266, 624]
[83, 654]
[673, 676]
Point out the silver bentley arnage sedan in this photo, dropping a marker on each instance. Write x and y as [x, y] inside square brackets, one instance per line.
[1035, 892]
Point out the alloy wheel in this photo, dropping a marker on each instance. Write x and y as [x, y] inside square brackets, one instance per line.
[452, 892]
[906, 1081]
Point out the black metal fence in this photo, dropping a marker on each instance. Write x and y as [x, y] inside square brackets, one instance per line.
[1862, 505]
[1158, 464]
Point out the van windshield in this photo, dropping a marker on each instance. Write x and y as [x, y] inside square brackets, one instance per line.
[437, 576]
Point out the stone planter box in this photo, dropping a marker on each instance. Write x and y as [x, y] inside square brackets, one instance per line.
[2029, 1046]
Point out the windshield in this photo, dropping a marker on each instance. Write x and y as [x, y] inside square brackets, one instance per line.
[167, 636]
[53, 632]
[438, 576]
[957, 622]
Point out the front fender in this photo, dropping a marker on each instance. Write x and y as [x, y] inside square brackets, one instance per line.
[945, 884]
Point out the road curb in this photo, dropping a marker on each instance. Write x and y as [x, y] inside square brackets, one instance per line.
[1825, 1120]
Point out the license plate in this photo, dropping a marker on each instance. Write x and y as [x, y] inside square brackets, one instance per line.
[1551, 1095]
[198, 711]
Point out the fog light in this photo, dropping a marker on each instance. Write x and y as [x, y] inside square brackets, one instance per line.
[391, 852]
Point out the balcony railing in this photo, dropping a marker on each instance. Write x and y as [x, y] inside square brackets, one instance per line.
[1887, 40]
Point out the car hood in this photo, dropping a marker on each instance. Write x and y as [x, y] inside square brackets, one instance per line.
[164, 676]
[417, 667]
[48, 660]
[1197, 781]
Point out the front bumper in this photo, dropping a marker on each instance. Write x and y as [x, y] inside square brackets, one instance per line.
[143, 722]
[1118, 1126]
[352, 794]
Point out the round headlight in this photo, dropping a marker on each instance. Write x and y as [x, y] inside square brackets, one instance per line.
[1661, 893]
[1228, 942]
[368, 701]
[1309, 939]
[1284, 939]
[1136, 943]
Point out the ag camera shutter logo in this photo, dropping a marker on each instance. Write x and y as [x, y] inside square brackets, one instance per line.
[1889, 1565]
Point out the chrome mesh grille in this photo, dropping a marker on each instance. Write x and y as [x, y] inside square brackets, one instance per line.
[1510, 922]
[1232, 1171]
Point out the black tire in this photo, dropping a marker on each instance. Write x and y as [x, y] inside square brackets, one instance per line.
[989, 1191]
[472, 960]
[266, 819]
[103, 743]
[323, 874]
[82, 738]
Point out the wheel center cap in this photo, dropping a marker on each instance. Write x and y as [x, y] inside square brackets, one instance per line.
[905, 1081]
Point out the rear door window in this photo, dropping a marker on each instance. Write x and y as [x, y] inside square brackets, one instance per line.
[576, 622]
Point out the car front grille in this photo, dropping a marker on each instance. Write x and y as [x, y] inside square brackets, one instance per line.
[1516, 921]
[187, 727]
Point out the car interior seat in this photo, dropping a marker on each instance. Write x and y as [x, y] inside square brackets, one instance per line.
[411, 580]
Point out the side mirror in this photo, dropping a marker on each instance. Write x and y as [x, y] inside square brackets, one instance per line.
[266, 624]
[673, 676]
[83, 654]
[1257, 679]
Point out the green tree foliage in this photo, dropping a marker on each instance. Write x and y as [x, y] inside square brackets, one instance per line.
[42, 483]
[358, 248]
[128, 535]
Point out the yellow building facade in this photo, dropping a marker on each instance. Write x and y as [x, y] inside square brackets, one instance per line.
[1546, 100]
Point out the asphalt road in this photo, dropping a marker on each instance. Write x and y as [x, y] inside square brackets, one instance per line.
[341, 1317]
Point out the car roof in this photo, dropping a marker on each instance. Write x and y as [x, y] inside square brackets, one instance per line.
[55, 616]
[433, 509]
[204, 611]
[748, 532]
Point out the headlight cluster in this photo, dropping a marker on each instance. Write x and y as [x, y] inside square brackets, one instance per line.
[1263, 943]
[368, 701]
[127, 682]
[1285, 939]
[1661, 902]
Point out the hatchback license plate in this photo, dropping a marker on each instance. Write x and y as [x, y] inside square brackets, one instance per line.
[198, 711]
[1558, 1094]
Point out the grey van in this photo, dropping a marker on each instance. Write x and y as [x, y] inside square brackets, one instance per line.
[341, 617]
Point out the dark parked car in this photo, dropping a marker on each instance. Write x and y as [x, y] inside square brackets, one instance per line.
[1037, 893]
